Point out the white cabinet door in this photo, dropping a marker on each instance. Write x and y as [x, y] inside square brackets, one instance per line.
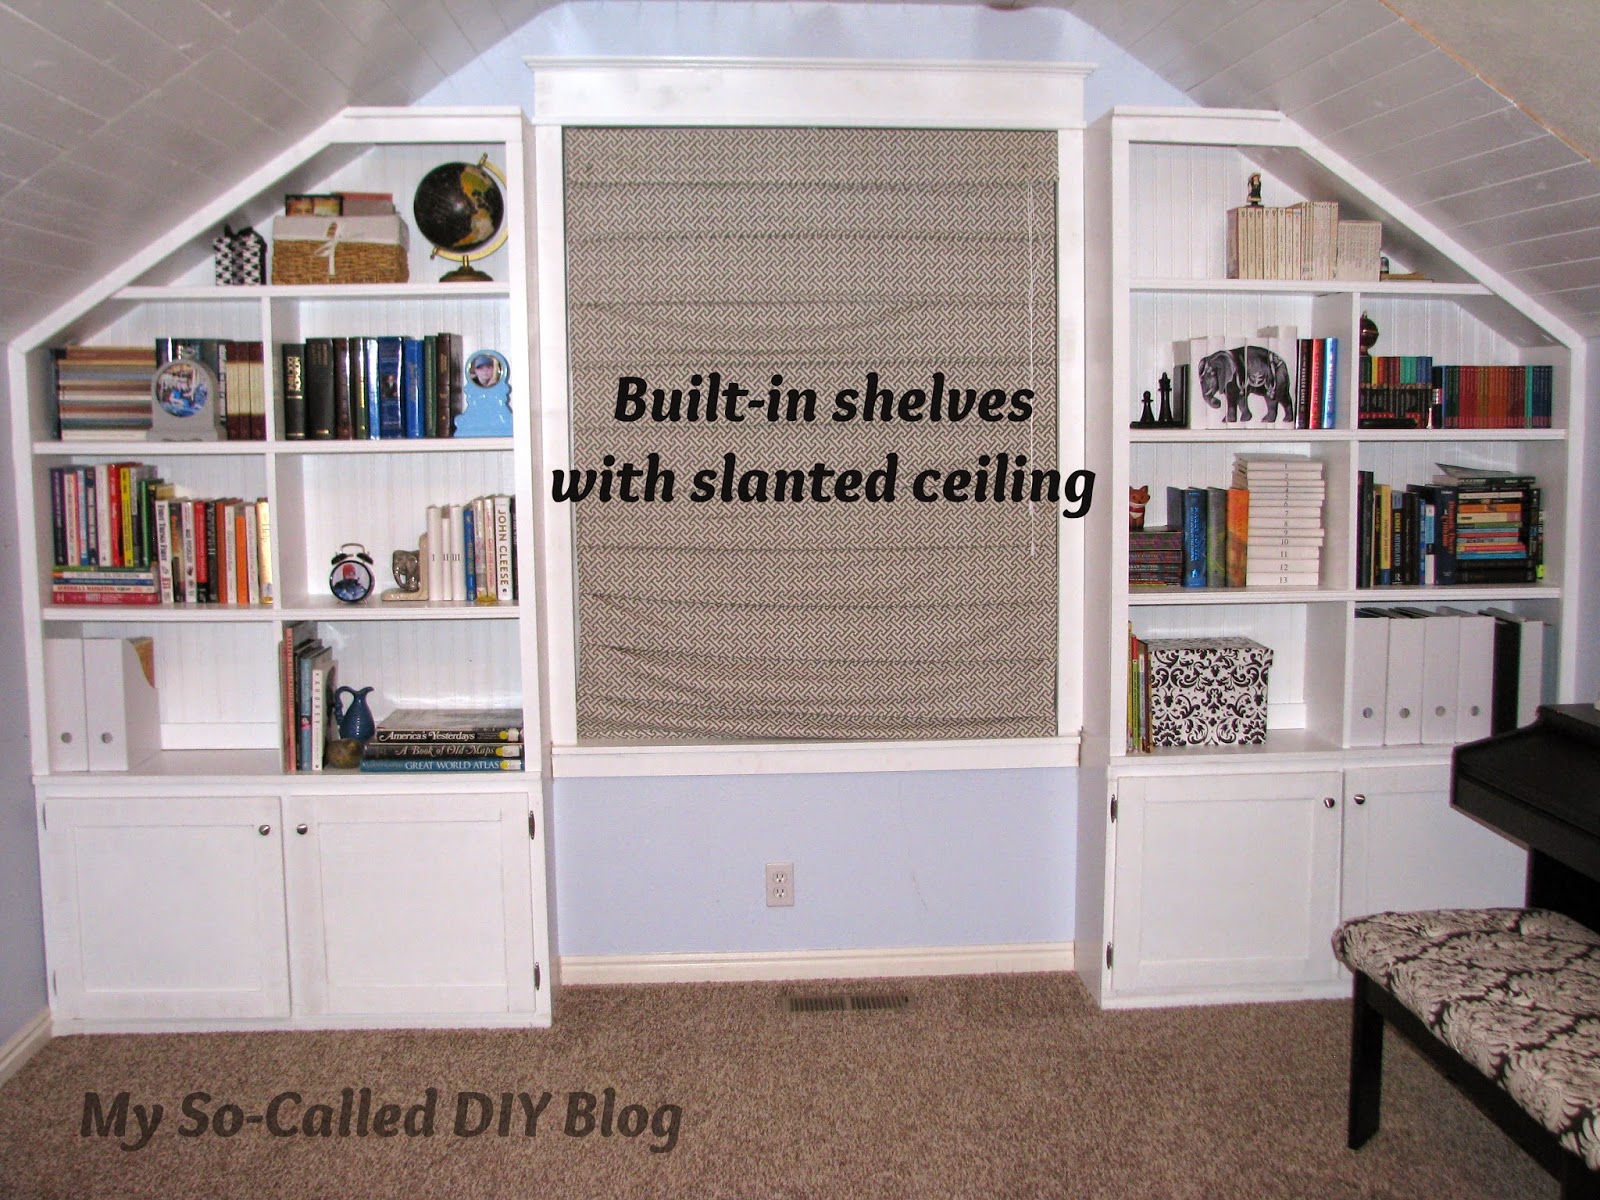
[1406, 848]
[162, 907]
[1225, 882]
[410, 904]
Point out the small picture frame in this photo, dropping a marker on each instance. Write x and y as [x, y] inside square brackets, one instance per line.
[487, 390]
[313, 204]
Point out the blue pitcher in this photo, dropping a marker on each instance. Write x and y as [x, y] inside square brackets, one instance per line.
[354, 718]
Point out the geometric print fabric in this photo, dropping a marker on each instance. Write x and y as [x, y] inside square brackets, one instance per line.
[817, 255]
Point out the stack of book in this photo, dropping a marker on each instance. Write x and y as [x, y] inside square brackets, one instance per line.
[472, 551]
[1285, 519]
[1305, 240]
[1470, 525]
[372, 387]
[1155, 558]
[102, 392]
[446, 739]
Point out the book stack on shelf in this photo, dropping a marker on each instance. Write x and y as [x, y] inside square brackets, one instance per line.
[1305, 240]
[446, 739]
[357, 388]
[1410, 392]
[1468, 526]
[1155, 558]
[102, 392]
[472, 551]
[308, 679]
[122, 535]
[1284, 522]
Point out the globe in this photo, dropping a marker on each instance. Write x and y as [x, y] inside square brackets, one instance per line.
[459, 208]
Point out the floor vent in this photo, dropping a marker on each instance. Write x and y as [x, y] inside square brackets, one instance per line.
[855, 1002]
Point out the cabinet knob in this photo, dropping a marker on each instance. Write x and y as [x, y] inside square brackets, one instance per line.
[1328, 802]
[66, 738]
[1359, 798]
[1438, 710]
[263, 830]
[1405, 712]
[107, 739]
[1367, 712]
[301, 829]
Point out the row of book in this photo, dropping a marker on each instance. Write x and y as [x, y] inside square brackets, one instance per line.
[1409, 391]
[341, 388]
[1466, 526]
[122, 535]
[308, 679]
[1274, 379]
[1443, 675]
[1265, 530]
[446, 739]
[1306, 240]
[470, 551]
[107, 392]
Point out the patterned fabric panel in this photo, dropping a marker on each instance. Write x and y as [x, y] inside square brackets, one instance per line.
[1514, 991]
[924, 259]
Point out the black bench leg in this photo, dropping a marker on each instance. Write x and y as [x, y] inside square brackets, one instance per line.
[1366, 1064]
[1577, 1181]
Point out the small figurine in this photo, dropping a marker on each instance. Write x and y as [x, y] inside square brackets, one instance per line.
[1253, 189]
[412, 583]
[488, 395]
[1147, 418]
[1138, 497]
[1165, 386]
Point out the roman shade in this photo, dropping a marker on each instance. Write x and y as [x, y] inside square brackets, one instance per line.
[919, 260]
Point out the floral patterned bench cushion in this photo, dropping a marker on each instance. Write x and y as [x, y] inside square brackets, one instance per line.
[1514, 991]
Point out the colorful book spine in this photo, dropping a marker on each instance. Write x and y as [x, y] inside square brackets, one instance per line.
[399, 765]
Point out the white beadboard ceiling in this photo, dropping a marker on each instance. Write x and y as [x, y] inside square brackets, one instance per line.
[117, 119]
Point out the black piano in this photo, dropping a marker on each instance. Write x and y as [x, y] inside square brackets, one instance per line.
[1540, 785]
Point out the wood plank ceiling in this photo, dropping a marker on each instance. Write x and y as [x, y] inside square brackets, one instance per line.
[117, 119]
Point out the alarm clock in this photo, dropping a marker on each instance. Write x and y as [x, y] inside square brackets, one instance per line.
[351, 577]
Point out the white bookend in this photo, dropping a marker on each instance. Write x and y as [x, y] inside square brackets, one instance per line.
[434, 567]
[124, 718]
[66, 717]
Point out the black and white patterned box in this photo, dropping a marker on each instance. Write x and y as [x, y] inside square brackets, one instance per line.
[241, 258]
[1208, 691]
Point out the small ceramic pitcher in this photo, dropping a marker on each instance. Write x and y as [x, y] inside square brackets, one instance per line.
[354, 717]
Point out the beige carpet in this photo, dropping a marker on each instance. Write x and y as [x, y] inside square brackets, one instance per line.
[992, 1086]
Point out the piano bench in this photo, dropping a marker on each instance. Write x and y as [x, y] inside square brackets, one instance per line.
[1506, 1003]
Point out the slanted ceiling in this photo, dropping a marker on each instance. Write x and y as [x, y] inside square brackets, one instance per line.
[118, 119]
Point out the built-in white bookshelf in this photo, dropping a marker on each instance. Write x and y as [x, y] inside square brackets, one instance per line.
[340, 898]
[1160, 185]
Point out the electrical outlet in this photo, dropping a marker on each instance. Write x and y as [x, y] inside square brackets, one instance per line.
[780, 885]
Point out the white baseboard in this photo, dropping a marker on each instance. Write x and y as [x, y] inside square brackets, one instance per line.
[24, 1044]
[816, 964]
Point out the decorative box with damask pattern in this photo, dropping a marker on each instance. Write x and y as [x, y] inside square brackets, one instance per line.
[1208, 691]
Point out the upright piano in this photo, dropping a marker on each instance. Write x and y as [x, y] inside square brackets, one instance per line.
[1540, 785]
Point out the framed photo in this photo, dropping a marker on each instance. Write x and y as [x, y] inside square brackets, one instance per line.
[307, 204]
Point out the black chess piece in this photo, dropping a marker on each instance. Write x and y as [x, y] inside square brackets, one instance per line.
[1166, 400]
[1146, 419]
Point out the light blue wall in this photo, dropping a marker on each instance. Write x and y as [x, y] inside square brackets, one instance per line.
[651, 866]
[22, 991]
[931, 858]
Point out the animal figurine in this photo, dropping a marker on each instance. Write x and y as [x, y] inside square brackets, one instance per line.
[1138, 497]
[1233, 376]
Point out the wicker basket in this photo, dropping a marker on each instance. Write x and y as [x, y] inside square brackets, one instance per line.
[311, 250]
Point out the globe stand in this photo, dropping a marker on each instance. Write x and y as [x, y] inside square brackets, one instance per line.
[466, 273]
